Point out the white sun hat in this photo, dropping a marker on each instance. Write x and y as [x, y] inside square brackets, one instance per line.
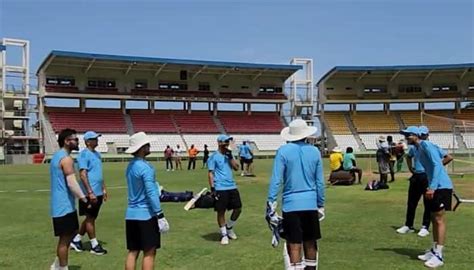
[337, 149]
[136, 141]
[297, 130]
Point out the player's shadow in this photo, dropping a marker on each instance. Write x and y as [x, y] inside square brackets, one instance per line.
[74, 267]
[410, 252]
[213, 237]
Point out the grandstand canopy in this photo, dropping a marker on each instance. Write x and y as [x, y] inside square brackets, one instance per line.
[406, 83]
[154, 64]
[114, 77]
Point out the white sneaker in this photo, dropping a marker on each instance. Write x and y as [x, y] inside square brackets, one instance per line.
[172, 170]
[423, 232]
[242, 174]
[224, 240]
[231, 234]
[167, 170]
[427, 256]
[405, 229]
[434, 262]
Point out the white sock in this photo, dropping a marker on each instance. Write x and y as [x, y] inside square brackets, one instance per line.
[63, 268]
[230, 224]
[439, 250]
[77, 238]
[55, 263]
[94, 242]
[223, 231]
[434, 245]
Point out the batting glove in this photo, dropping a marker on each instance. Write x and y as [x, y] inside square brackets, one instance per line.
[321, 214]
[163, 224]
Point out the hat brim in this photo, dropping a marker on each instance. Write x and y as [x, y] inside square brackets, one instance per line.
[227, 139]
[407, 133]
[337, 150]
[135, 148]
[94, 137]
[285, 134]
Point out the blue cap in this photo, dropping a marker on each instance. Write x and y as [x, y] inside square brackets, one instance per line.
[424, 130]
[411, 130]
[91, 135]
[223, 138]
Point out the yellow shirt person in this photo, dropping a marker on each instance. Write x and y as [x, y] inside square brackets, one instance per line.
[335, 159]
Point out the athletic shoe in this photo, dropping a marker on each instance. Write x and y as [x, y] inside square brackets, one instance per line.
[242, 174]
[77, 246]
[405, 229]
[98, 250]
[423, 232]
[224, 240]
[427, 256]
[231, 234]
[434, 262]
[167, 170]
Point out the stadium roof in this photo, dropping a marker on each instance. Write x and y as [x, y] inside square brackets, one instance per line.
[394, 69]
[162, 61]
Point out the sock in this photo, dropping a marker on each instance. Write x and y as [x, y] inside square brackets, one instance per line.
[63, 268]
[439, 250]
[230, 224]
[94, 242]
[434, 246]
[77, 238]
[223, 231]
[55, 263]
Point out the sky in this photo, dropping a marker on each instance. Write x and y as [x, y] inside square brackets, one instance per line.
[332, 32]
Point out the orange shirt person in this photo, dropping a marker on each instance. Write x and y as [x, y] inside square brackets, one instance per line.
[192, 153]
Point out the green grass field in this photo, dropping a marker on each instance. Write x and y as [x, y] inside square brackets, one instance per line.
[358, 232]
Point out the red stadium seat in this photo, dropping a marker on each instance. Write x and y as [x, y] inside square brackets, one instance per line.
[106, 121]
[238, 122]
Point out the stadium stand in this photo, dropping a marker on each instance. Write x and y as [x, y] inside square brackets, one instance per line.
[196, 122]
[105, 121]
[160, 141]
[258, 122]
[445, 140]
[344, 141]
[468, 139]
[158, 122]
[264, 142]
[337, 123]
[199, 140]
[369, 122]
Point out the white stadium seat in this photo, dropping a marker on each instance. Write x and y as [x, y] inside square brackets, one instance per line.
[264, 142]
[344, 141]
[468, 139]
[199, 140]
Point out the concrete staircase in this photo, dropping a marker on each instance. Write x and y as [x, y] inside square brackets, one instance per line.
[50, 144]
[219, 125]
[354, 132]
[399, 120]
[129, 124]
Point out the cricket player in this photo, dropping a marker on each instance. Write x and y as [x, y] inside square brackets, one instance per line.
[144, 218]
[222, 183]
[438, 194]
[298, 167]
[64, 188]
[92, 184]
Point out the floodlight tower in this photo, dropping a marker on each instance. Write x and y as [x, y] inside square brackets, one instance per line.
[14, 94]
[302, 99]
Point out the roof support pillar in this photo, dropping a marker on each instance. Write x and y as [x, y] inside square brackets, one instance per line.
[123, 106]
[82, 104]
